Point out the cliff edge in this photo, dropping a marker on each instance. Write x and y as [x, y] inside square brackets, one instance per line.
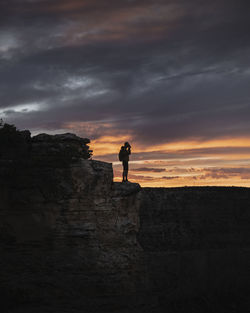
[72, 240]
[67, 232]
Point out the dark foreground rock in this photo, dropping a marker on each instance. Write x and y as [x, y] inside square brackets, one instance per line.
[68, 240]
[197, 247]
[71, 240]
[18, 145]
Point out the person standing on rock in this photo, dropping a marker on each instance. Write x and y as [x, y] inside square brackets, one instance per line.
[124, 153]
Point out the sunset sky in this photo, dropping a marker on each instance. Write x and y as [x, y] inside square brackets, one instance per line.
[171, 77]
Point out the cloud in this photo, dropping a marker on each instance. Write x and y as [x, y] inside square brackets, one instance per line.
[189, 156]
[149, 169]
[225, 173]
[159, 71]
[170, 177]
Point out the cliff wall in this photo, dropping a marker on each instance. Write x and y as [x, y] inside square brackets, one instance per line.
[67, 232]
[197, 247]
[71, 240]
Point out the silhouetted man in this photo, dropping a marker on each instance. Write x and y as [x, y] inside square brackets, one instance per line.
[124, 157]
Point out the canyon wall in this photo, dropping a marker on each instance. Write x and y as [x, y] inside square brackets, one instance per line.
[72, 240]
[67, 232]
[197, 246]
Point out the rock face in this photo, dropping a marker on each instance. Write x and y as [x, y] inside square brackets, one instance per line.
[18, 145]
[197, 246]
[71, 240]
[67, 232]
[65, 145]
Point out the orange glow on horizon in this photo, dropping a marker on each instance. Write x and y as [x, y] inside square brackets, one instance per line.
[204, 168]
[218, 143]
[215, 162]
[113, 144]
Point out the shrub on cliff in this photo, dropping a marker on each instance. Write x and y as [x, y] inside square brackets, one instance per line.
[14, 144]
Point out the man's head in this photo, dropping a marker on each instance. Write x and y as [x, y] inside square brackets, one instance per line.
[127, 145]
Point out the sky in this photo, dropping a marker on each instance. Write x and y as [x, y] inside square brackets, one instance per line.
[171, 77]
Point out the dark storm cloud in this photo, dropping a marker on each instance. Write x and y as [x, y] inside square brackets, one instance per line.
[158, 70]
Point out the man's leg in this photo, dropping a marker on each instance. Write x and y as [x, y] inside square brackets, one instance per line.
[126, 171]
[123, 173]
[126, 175]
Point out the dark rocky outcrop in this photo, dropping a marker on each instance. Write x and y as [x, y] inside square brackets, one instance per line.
[71, 240]
[67, 233]
[65, 145]
[19, 145]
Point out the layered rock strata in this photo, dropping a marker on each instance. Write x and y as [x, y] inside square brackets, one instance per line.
[67, 232]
